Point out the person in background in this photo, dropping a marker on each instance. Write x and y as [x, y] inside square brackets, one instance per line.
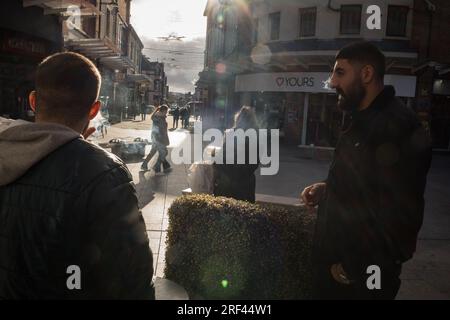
[176, 117]
[187, 116]
[235, 180]
[143, 111]
[183, 113]
[160, 141]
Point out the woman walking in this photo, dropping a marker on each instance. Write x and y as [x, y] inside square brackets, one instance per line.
[160, 141]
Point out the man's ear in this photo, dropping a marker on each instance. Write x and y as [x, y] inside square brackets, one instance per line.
[367, 74]
[32, 100]
[94, 110]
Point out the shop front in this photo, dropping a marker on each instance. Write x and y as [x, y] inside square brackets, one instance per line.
[301, 105]
[20, 54]
[27, 36]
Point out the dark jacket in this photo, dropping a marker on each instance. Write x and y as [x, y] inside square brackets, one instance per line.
[159, 130]
[183, 112]
[235, 180]
[373, 207]
[176, 113]
[66, 202]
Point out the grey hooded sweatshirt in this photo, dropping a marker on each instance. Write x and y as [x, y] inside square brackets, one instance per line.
[23, 144]
[66, 202]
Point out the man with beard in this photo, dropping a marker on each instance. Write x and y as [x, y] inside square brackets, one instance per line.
[371, 204]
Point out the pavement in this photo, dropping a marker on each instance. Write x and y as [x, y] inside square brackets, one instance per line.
[155, 192]
[426, 276]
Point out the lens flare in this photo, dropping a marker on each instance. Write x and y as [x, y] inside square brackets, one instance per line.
[224, 284]
[261, 54]
[221, 68]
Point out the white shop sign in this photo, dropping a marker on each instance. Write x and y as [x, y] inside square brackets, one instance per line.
[283, 82]
[313, 82]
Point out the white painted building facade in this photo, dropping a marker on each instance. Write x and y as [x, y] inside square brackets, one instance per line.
[295, 43]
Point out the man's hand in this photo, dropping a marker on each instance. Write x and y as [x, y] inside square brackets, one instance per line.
[312, 194]
[338, 273]
[88, 132]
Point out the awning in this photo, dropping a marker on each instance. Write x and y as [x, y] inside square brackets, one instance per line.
[94, 48]
[103, 49]
[60, 7]
[141, 78]
[117, 62]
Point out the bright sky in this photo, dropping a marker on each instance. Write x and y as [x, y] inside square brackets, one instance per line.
[157, 18]
[160, 18]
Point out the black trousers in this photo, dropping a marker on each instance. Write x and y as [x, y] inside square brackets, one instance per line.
[326, 288]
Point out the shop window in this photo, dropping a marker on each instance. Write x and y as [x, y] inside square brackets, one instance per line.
[255, 30]
[114, 27]
[108, 22]
[275, 20]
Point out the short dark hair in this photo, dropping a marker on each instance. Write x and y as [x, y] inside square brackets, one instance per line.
[67, 84]
[365, 53]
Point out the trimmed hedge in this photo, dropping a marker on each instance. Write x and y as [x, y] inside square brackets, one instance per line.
[220, 248]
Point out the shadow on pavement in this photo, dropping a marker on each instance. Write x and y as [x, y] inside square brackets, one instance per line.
[144, 189]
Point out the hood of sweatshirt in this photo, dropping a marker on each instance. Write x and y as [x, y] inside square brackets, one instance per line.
[23, 144]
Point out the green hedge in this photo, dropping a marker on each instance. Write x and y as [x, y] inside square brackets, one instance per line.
[220, 248]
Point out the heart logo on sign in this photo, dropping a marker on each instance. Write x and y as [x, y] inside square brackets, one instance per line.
[280, 81]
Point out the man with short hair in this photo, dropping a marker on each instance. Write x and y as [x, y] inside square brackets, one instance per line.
[371, 205]
[71, 226]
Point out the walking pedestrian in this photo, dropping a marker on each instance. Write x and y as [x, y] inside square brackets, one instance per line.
[160, 141]
[176, 117]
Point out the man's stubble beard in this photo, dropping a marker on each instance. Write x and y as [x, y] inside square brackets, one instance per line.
[351, 101]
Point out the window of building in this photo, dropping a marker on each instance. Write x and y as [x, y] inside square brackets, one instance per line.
[351, 19]
[108, 22]
[397, 19]
[255, 30]
[308, 22]
[114, 27]
[124, 40]
[275, 19]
